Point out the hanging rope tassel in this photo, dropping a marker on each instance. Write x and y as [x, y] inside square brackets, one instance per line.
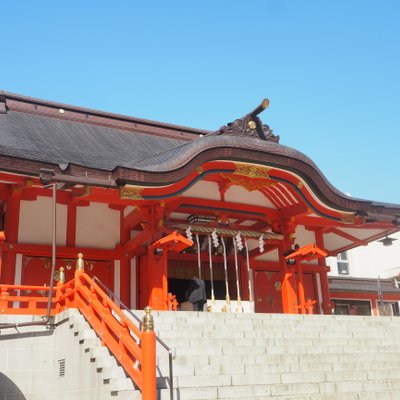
[249, 275]
[226, 307]
[211, 272]
[198, 254]
[239, 307]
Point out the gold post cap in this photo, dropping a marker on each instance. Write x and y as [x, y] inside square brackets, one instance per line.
[80, 264]
[148, 321]
[61, 275]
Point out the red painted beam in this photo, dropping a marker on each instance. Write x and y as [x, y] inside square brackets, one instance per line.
[135, 243]
[65, 252]
[134, 218]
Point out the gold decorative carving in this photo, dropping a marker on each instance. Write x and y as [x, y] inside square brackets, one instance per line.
[299, 184]
[199, 170]
[131, 193]
[252, 171]
[278, 286]
[250, 177]
[347, 218]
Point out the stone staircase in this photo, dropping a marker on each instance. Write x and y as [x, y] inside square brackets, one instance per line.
[263, 356]
[109, 380]
[217, 356]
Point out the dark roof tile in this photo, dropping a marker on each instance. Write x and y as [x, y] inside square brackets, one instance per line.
[56, 141]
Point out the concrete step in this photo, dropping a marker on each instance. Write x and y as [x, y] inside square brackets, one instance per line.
[127, 395]
[237, 356]
[282, 357]
[121, 384]
[112, 372]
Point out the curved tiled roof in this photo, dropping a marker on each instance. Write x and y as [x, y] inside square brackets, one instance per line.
[58, 141]
[77, 140]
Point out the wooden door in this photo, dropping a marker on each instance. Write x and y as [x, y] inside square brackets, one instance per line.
[36, 270]
[267, 291]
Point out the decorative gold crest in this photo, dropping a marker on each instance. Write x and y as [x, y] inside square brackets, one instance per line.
[278, 286]
[250, 177]
[199, 170]
[131, 193]
[252, 171]
[248, 183]
[347, 218]
[299, 184]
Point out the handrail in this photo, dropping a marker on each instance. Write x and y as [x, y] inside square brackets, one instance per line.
[31, 300]
[112, 295]
[133, 347]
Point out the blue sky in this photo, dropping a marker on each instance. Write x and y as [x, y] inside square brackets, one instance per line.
[330, 69]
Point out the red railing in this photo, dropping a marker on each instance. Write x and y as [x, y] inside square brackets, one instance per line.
[134, 349]
[23, 299]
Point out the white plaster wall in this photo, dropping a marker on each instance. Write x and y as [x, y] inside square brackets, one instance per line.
[35, 222]
[270, 256]
[203, 190]
[303, 236]
[128, 209]
[97, 226]
[237, 194]
[372, 260]
[333, 241]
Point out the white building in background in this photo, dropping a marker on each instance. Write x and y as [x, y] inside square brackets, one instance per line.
[365, 280]
[375, 259]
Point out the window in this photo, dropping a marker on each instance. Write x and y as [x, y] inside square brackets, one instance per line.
[343, 263]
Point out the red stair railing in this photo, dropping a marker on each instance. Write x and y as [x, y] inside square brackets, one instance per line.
[134, 349]
[25, 299]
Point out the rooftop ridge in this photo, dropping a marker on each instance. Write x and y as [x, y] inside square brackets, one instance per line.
[21, 103]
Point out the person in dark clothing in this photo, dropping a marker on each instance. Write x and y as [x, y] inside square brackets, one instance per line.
[196, 293]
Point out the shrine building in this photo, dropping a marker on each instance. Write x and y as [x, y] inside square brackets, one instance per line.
[151, 205]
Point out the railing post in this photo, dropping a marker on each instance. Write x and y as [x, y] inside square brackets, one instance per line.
[60, 276]
[79, 270]
[80, 264]
[148, 340]
[3, 300]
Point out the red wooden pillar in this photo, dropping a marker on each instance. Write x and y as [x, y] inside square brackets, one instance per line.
[2, 239]
[71, 224]
[157, 279]
[326, 295]
[125, 268]
[244, 278]
[289, 295]
[125, 280]
[157, 267]
[300, 288]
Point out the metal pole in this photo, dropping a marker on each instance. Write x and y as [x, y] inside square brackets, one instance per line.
[53, 244]
[45, 319]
